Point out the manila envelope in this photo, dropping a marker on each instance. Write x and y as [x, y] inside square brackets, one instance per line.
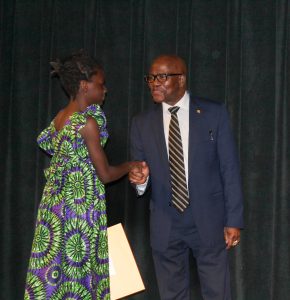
[125, 278]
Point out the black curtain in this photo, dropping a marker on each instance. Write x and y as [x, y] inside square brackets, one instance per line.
[237, 52]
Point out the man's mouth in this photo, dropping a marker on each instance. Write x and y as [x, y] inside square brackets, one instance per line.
[157, 92]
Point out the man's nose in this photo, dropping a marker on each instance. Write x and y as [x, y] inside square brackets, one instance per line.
[155, 82]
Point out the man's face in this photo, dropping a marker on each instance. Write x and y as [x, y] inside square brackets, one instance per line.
[170, 91]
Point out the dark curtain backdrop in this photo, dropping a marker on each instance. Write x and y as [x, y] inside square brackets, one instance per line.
[237, 52]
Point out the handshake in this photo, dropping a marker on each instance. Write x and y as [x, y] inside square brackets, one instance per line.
[139, 172]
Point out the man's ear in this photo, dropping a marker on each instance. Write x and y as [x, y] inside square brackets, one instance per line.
[182, 81]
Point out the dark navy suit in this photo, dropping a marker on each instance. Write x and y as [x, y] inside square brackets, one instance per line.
[213, 178]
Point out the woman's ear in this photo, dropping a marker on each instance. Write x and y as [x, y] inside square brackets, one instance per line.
[84, 86]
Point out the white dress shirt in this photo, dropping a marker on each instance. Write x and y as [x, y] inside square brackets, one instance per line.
[183, 119]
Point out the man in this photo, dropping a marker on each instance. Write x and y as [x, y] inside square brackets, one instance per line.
[191, 163]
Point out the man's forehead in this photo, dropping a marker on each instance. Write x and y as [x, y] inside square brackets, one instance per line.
[165, 64]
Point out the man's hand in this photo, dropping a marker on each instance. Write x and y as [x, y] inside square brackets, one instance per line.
[139, 173]
[232, 236]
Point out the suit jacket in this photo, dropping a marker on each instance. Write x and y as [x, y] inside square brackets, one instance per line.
[213, 171]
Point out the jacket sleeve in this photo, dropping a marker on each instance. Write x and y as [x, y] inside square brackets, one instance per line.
[230, 171]
[137, 152]
[136, 148]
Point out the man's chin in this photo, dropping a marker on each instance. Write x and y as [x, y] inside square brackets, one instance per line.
[158, 99]
[157, 96]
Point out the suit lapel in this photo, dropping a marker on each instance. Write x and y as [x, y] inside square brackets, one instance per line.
[158, 132]
[196, 116]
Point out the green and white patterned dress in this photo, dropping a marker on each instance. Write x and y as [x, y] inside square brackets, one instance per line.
[69, 256]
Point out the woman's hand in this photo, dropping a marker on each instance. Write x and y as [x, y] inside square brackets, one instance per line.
[139, 172]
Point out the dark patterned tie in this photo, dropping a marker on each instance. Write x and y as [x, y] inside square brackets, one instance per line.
[180, 197]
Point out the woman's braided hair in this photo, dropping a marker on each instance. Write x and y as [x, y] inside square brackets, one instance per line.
[74, 68]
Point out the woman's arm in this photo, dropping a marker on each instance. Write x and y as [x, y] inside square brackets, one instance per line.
[91, 134]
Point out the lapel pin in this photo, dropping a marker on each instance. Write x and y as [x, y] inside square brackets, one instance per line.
[198, 111]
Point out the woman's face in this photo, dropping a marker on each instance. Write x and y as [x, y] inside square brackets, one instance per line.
[96, 88]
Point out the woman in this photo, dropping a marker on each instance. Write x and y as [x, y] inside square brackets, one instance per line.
[69, 257]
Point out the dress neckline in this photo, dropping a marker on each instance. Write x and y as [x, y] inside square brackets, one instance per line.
[68, 120]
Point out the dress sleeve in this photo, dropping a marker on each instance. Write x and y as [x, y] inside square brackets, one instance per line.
[97, 113]
[44, 139]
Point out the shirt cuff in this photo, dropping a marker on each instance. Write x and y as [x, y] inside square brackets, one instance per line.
[140, 188]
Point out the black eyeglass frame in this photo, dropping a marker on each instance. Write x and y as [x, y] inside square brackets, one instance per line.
[154, 77]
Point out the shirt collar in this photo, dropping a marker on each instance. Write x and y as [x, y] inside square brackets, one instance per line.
[183, 103]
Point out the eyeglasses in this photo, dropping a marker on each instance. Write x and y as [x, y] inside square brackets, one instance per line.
[160, 77]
